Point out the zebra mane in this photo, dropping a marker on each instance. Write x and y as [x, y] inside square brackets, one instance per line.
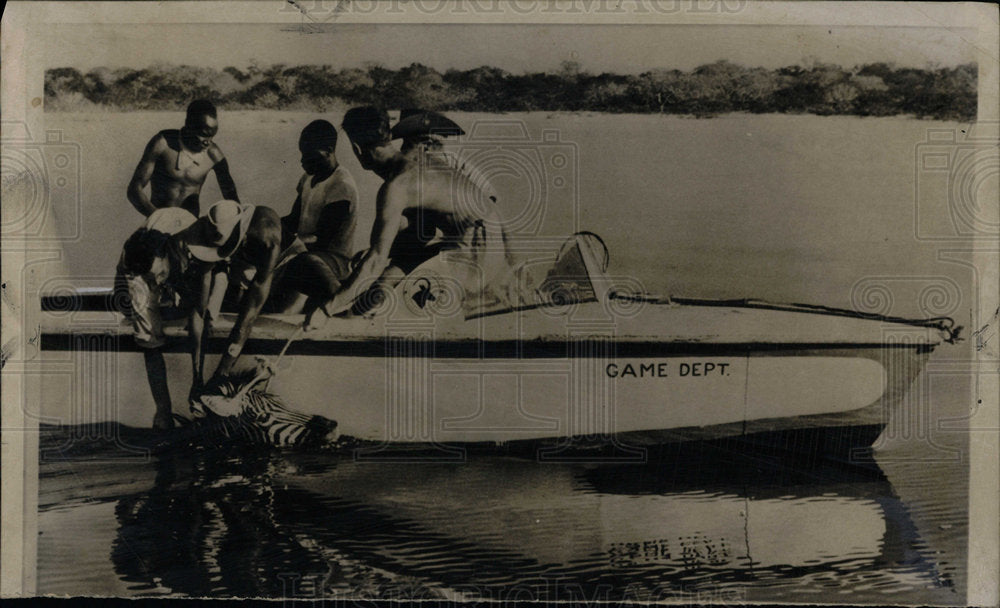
[260, 417]
[229, 385]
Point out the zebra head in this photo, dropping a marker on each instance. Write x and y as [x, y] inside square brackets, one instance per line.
[243, 410]
[225, 396]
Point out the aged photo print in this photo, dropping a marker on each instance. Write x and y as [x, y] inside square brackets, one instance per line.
[489, 302]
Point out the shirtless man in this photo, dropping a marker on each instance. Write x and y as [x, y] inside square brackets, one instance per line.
[176, 163]
[427, 187]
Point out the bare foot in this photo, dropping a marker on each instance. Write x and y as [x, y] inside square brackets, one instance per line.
[163, 421]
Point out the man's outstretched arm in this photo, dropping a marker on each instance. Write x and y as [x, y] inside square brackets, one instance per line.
[143, 173]
[226, 184]
[267, 230]
[389, 214]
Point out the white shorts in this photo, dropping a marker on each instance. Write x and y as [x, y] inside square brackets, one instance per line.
[143, 309]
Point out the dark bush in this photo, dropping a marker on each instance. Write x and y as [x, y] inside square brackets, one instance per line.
[877, 89]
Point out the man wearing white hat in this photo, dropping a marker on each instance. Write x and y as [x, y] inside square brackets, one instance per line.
[261, 252]
[170, 262]
[258, 250]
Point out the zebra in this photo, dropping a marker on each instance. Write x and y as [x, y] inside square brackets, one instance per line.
[234, 408]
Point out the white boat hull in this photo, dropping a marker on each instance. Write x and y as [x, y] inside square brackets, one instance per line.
[696, 373]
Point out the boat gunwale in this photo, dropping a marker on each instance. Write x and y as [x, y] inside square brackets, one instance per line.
[445, 348]
[101, 300]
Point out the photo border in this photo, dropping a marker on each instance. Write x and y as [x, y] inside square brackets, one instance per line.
[23, 34]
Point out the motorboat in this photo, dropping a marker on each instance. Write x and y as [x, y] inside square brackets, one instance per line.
[572, 358]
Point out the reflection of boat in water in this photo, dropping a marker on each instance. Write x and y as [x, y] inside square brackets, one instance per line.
[573, 357]
[494, 526]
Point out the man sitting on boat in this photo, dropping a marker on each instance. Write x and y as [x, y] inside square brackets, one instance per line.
[418, 239]
[324, 216]
[440, 195]
[169, 262]
[176, 163]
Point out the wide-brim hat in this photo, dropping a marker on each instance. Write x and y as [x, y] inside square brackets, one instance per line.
[418, 123]
[231, 221]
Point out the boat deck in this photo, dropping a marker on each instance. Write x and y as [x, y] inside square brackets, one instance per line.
[624, 322]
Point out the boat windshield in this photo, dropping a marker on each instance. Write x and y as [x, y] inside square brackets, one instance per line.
[574, 274]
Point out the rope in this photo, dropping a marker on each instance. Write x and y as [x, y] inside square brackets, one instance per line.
[274, 366]
[944, 324]
[291, 338]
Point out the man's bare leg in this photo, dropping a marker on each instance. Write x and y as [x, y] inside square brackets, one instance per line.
[156, 373]
[378, 291]
[308, 282]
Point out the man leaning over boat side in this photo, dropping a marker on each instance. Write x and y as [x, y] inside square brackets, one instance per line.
[429, 188]
[266, 253]
[168, 263]
[176, 163]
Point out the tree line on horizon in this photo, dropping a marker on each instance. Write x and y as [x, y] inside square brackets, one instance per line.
[875, 89]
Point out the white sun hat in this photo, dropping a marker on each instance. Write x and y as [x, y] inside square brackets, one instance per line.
[231, 221]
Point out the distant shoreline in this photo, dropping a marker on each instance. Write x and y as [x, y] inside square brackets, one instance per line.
[710, 90]
[109, 112]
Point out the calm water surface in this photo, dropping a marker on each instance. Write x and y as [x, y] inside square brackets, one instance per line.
[692, 523]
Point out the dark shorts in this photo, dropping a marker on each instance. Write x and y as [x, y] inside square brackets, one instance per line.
[318, 275]
[409, 250]
[338, 264]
